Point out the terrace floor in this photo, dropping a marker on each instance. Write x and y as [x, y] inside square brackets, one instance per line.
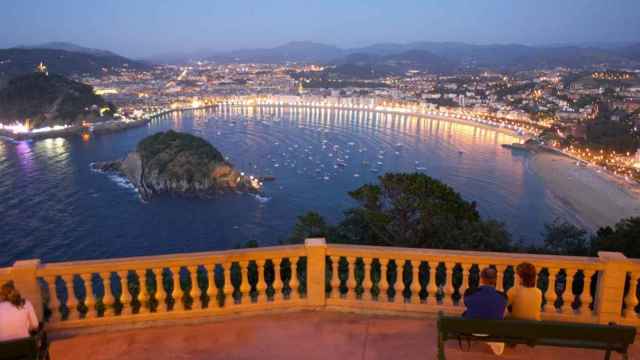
[302, 335]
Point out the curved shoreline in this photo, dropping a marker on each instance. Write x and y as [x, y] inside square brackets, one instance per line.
[502, 130]
[596, 198]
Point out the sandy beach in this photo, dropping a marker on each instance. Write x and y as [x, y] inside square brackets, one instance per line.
[597, 198]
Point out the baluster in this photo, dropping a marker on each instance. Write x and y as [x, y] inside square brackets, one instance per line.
[335, 277]
[394, 285]
[567, 294]
[160, 295]
[143, 295]
[432, 287]
[228, 285]
[367, 284]
[107, 299]
[293, 282]
[500, 269]
[585, 297]
[351, 278]
[415, 282]
[384, 281]
[176, 294]
[466, 268]
[245, 287]
[125, 297]
[631, 300]
[406, 288]
[195, 292]
[550, 295]
[448, 287]
[277, 280]
[54, 301]
[72, 301]
[89, 300]
[211, 285]
[261, 284]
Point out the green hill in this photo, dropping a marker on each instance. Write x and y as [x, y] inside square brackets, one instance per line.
[47, 100]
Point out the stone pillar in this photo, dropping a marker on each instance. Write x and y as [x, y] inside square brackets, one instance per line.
[316, 261]
[610, 288]
[23, 274]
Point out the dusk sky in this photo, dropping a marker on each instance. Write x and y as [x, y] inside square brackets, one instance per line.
[140, 28]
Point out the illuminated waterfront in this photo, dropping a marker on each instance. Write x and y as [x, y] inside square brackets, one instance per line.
[51, 197]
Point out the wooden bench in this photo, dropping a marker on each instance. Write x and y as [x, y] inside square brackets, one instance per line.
[608, 338]
[24, 349]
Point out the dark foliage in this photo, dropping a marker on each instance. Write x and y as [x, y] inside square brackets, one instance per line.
[411, 210]
[623, 237]
[180, 155]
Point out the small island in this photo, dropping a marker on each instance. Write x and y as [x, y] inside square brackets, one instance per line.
[179, 164]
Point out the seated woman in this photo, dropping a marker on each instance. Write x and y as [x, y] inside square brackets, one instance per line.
[525, 299]
[17, 314]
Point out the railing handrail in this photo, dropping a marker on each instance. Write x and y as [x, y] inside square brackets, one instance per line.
[461, 256]
[168, 260]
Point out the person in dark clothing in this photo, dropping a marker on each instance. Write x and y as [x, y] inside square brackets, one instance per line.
[486, 303]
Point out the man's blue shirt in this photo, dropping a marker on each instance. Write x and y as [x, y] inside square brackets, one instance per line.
[484, 302]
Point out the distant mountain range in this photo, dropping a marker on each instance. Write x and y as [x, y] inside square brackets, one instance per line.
[62, 58]
[435, 56]
[58, 45]
[369, 61]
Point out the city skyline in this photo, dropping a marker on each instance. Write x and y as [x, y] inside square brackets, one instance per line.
[144, 29]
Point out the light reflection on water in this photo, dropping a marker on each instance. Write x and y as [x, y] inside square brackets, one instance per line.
[53, 207]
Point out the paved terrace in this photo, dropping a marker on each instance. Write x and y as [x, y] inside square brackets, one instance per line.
[302, 335]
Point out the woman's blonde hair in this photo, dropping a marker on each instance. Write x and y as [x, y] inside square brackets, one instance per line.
[9, 293]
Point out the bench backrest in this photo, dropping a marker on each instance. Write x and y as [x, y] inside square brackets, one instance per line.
[614, 335]
[22, 349]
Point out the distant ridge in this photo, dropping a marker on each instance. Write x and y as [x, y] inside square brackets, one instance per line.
[59, 45]
[497, 56]
[19, 61]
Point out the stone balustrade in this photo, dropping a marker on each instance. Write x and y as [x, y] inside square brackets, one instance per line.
[85, 294]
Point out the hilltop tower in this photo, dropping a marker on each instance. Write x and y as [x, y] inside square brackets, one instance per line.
[42, 69]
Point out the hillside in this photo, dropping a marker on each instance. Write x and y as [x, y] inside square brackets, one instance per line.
[48, 100]
[16, 61]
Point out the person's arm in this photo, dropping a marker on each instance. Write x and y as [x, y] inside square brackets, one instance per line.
[510, 296]
[31, 316]
[467, 295]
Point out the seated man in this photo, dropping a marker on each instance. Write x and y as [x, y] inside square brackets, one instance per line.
[485, 302]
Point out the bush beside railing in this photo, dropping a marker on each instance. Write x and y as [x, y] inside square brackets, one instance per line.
[363, 278]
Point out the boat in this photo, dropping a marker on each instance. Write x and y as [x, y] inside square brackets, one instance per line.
[516, 146]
